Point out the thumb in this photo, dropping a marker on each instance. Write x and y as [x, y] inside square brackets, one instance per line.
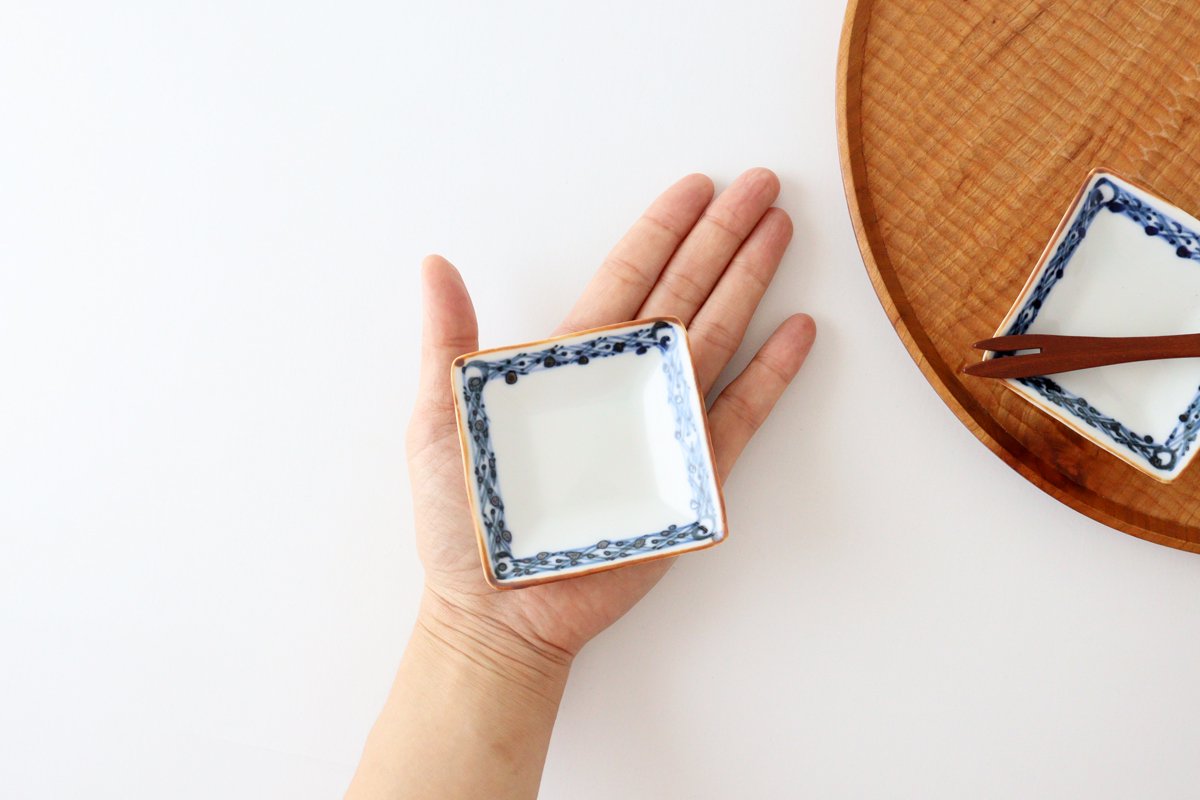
[448, 330]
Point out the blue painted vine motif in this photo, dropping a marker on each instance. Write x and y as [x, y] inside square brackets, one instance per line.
[604, 550]
[688, 432]
[1106, 195]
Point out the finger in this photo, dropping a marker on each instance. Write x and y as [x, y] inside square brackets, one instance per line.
[448, 330]
[624, 280]
[717, 331]
[744, 405]
[694, 269]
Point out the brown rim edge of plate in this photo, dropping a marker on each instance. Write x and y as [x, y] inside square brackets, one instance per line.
[891, 296]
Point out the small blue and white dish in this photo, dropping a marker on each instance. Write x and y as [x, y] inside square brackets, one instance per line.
[1122, 263]
[587, 452]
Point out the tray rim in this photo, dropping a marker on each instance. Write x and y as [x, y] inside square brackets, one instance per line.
[940, 376]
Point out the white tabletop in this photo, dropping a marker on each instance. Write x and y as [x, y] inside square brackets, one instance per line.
[210, 223]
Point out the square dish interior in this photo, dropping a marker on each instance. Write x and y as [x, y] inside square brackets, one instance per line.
[587, 452]
[1124, 263]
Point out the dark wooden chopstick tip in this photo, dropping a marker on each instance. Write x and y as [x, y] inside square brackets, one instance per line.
[1008, 344]
[997, 368]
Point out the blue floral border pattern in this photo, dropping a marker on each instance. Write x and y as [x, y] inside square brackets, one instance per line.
[1107, 195]
[688, 433]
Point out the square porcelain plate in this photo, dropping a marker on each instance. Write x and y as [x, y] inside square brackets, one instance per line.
[586, 452]
[1123, 263]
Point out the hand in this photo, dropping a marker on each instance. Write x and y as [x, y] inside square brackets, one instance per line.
[706, 262]
[474, 701]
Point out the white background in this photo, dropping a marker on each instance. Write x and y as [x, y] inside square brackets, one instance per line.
[210, 223]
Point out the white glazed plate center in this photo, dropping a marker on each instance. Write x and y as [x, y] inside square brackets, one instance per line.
[1121, 282]
[587, 453]
[1125, 263]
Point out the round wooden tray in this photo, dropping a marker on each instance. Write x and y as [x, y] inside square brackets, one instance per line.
[966, 129]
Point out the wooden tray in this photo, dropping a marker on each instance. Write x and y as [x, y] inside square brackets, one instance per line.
[966, 128]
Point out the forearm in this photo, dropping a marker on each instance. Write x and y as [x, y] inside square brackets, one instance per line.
[469, 715]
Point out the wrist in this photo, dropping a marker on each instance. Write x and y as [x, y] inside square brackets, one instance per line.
[466, 692]
[490, 649]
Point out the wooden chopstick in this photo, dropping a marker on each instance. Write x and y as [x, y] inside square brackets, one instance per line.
[1067, 353]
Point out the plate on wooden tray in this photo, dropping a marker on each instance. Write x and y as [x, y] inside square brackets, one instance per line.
[966, 129]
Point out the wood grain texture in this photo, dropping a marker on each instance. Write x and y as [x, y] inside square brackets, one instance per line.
[966, 129]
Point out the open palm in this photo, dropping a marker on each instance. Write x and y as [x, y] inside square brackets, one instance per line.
[707, 262]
